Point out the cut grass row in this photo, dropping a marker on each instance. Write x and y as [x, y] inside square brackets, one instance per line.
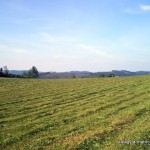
[74, 113]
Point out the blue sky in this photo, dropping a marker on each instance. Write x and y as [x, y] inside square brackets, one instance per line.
[65, 35]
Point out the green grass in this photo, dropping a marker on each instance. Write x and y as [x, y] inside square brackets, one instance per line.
[75, 113]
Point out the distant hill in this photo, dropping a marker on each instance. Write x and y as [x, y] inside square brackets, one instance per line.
[129, 73]
[17, 72]
[86, 74]
[81, 74]
[71, 74]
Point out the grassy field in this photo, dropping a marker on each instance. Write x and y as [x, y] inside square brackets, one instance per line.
[61, 114]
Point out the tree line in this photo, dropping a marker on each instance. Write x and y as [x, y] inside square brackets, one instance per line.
[32, 73]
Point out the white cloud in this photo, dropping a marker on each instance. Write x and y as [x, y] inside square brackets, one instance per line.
[20, 51]
[145, 7]
[138, 10]
[2, 47]
[49, 38]
[132, 11]
[5, 48]
[95, 51]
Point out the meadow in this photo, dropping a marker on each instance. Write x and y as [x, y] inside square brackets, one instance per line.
[79, 114]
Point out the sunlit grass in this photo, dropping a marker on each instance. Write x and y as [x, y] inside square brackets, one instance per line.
[74, 113]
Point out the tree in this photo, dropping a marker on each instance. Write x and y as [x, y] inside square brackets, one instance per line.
[5, 71]
[102, 75]
[25, 74]
[111, 75]
[1, 73]
[1, 70]
[33, 72]
[73, 76]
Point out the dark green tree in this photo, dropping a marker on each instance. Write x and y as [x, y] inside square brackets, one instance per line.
[1, 70]
[1, 73]
[102, 75]
[33, 72]
[73, 76]
[111, 75]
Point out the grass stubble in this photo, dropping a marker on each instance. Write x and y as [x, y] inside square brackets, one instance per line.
[96, 113]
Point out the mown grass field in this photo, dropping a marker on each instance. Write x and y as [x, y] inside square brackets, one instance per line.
[62, 114]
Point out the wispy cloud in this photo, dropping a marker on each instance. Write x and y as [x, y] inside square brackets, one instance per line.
[28, 20]
[132, 11]
[16, 5]
[95, 51]
[49, 38]
[4, 48]
[145, 7]
[21, 51]
[138, 10]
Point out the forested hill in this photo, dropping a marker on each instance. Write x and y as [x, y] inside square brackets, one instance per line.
[83, 74]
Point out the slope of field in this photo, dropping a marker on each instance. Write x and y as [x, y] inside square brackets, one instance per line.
[75, 113]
